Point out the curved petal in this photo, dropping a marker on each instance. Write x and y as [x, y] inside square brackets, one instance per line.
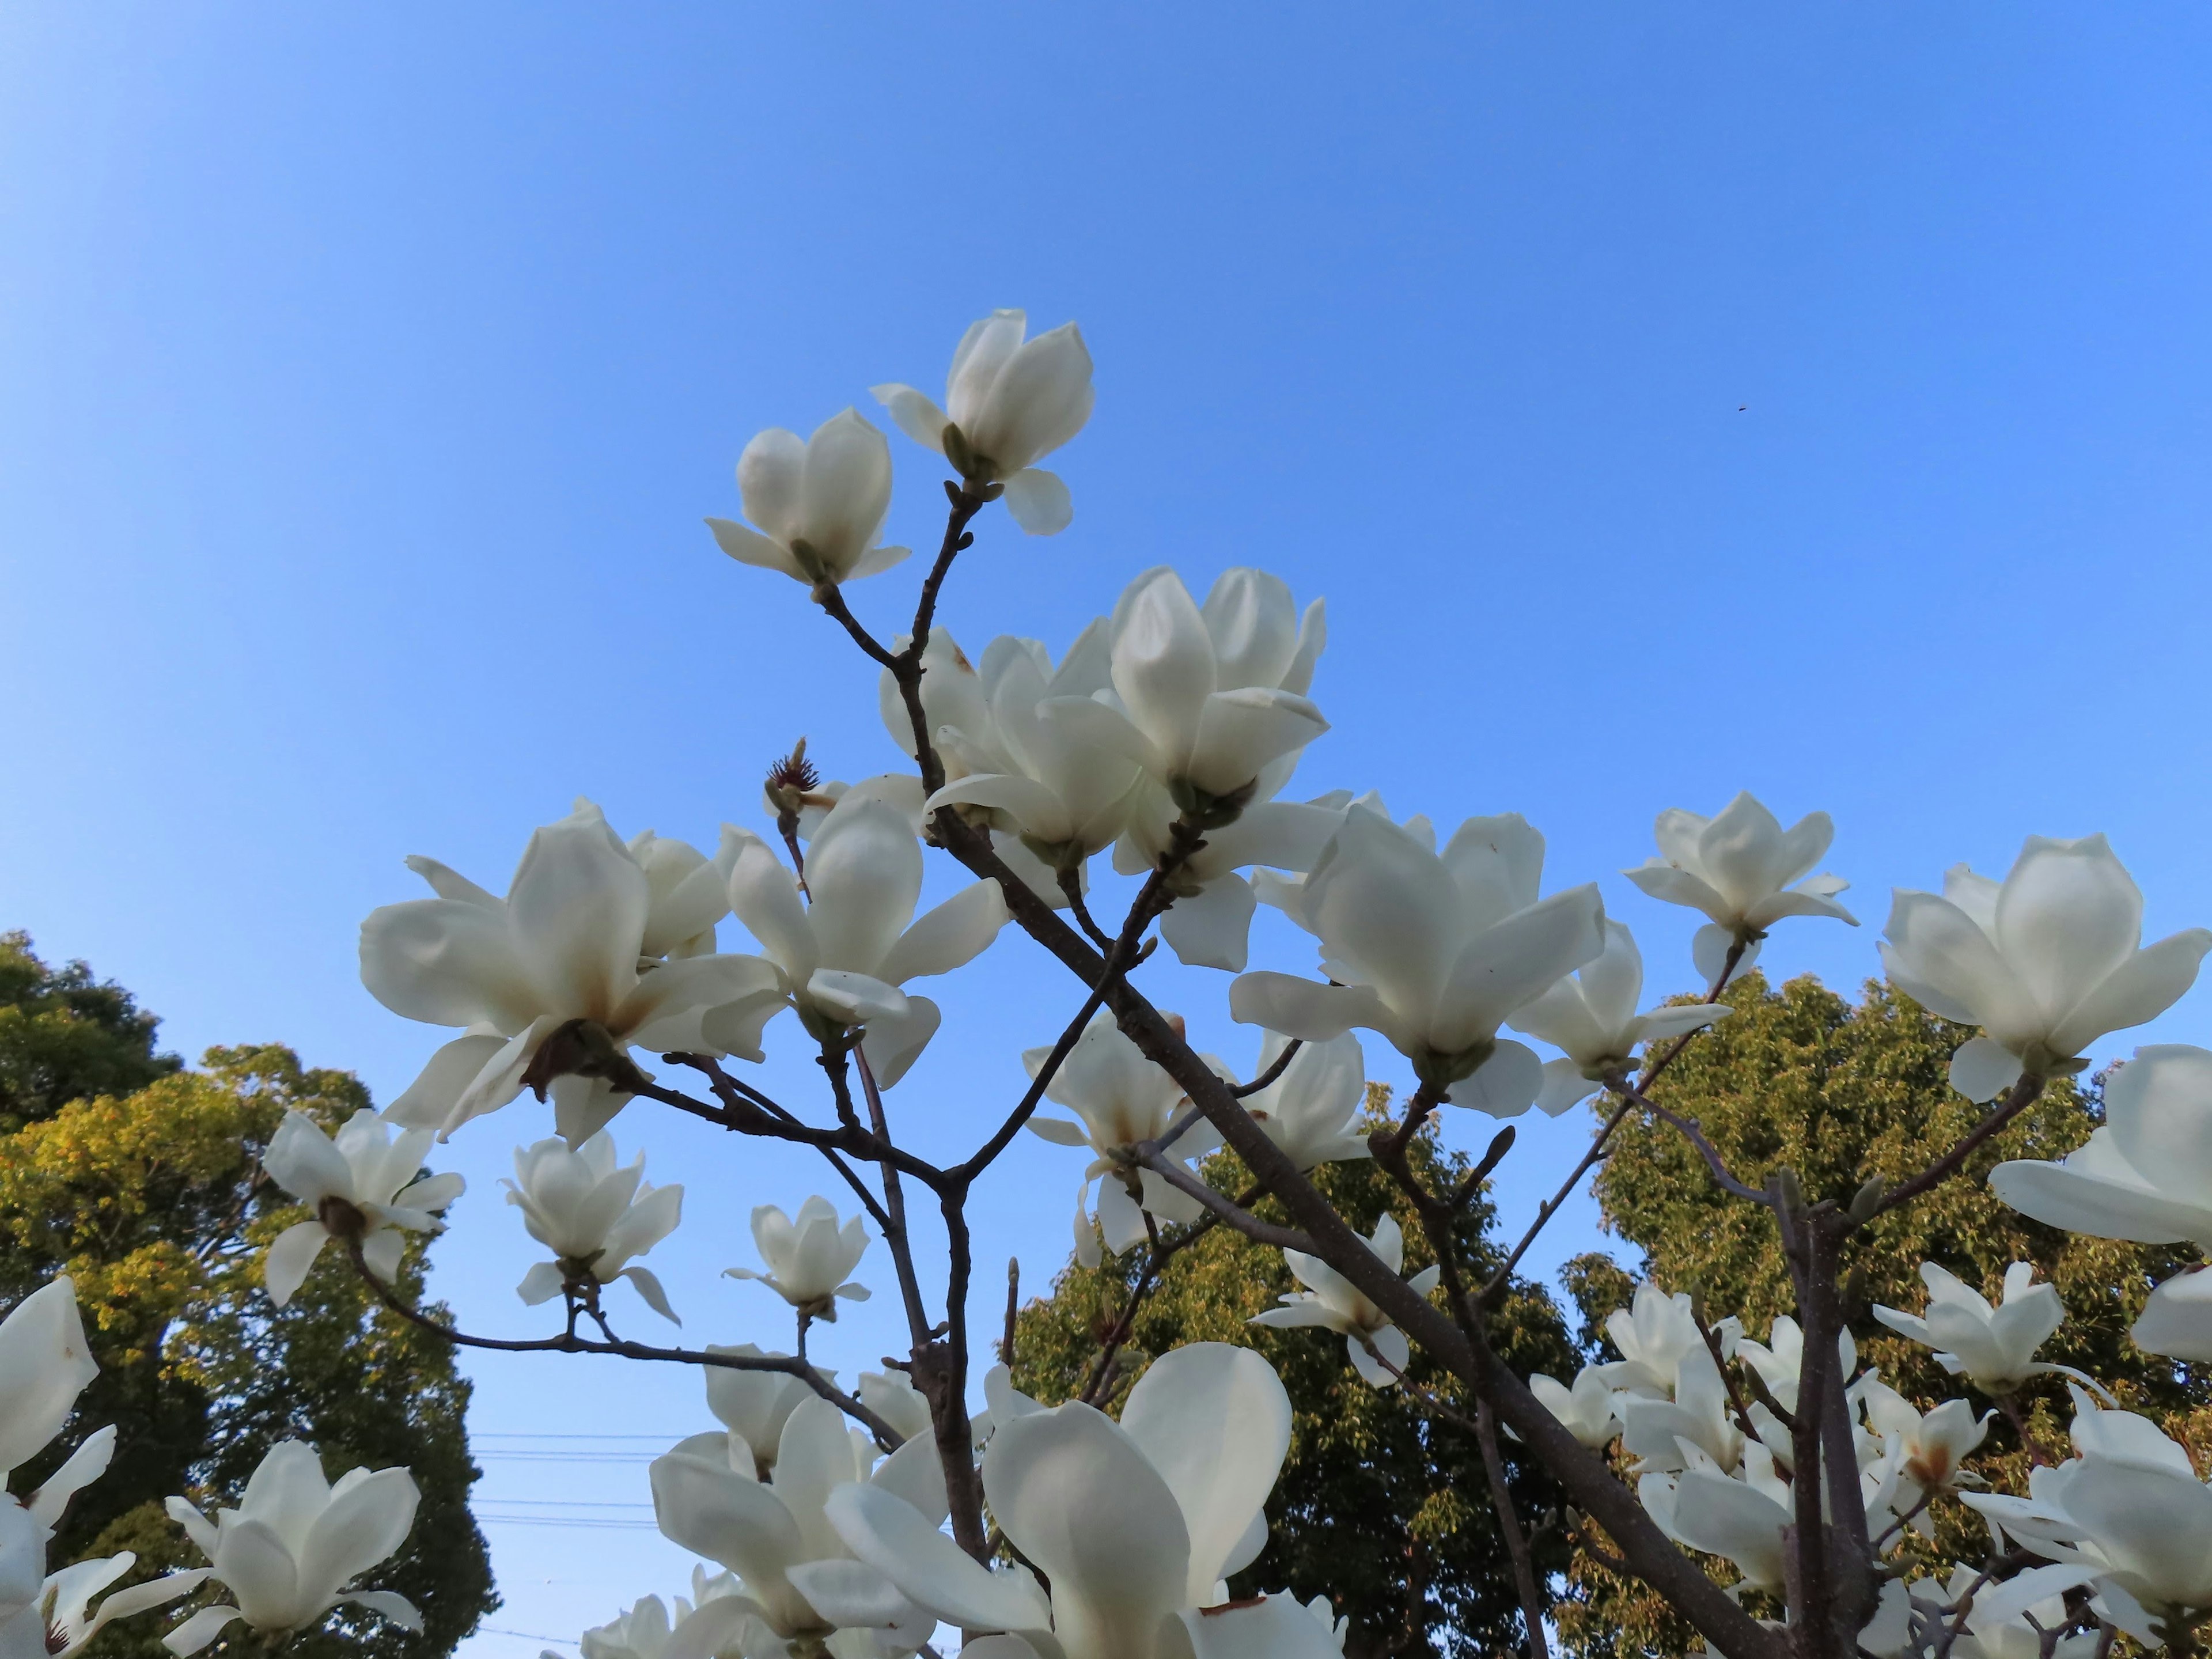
[366, 1522]
[2079, 1201]
[291, 1255]
[1240, 732]
[1504, 966]
[764, 894]
[2177, 1321]
[913, 413]
[898, 1540]
[577, 911]
[1504, 1085]
[448, 962]
[2068, 915]
[2141, 988]
[1215, 1422]
[894, 1042]
[864, 871]
[1982, 1068]
[1274, 1627]
[1213, 928]
[201, 1628]
[1076, 1496]
[1039, 502]
[428, 1102]
[950, 936]
[2158, 1108]
[727, 1518]
[391, 1604]
[751, 547]
[1938, 947]
[45, 1364]
[1301, 1008]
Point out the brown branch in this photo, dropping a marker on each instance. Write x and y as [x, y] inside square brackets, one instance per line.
[1275, 1070]
[1509, 1522]
[569, 1342]
[2023, 1095]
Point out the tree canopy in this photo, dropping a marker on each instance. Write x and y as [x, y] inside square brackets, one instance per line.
[142, 1182]
[1384, 1501]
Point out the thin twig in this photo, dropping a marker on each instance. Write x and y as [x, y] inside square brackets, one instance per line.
[1275, 1069]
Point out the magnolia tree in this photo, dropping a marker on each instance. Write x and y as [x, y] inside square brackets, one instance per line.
[1764, 1489]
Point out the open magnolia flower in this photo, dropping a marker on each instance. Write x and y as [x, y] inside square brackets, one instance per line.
[62, 1621]
[1377, 1348]
[1654, 1335]
[1008, 403]
[2144, 1175]
[2127, 1515]
[718, 1619]
[362, 1185]
[754, 1405]
[1589, 1409]
[2010, 1619]
[808, 1258]
[820, 502]
[1929, 1448]
[1123, 1100]
[1213, 704]
[1435, 952]
[296, 1543]
[1309, 1110]
[1737, 867]
[1021, 756]
[593, 1216]
[2045, 963]
[1992, 1347]
[843, 957]
[1135, 1524]
[554, 982]
[799, 1578]
[1592, 1015]
[1659, 1432]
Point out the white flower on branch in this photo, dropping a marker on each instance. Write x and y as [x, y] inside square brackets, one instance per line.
[1928, 1449]
[362, 1186]
[842, 958]
[2045, 963]
[1309, 1110]
[720, 1620]
[1660, 1432]
[62, 1621]
[1654, 1335]
[296, 1543]
[1992, 1347]
[1377, 1348]
[1136, 1524]
[562, 957]
[819, 502]
[2007, 1620]
[754, 1405]
[1008, 404]
[596, 1218]
[800, 1578]
[1435, 952]
[1211, 703]
[1592, 1015]
[1737, 867]
[2127, 1515]
[1123, 1100]
[1589, 1410]
[808, 1258]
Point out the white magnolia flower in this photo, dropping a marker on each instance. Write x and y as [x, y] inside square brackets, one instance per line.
[569, 943]
[45, 1364]
[1653, 1334]
[1658, 1431]
[1210, 703]
[1589, 1409]
[800, 1578]
[1136, 1524]
[1309, 1110]
[2045, 963]
[1592, 1015]
[1020, 754]
[362, 1184]
[1746, 1520]
[1008, 404]
[953, 696]
[727, 1622]
[1434, 952]
[1737, 867]
[1123, 1100]
[1377, 1348]
[808, 1258]
[1929, 1448]
[296, 1543]
[754, 1405]
[62, 1621]
[687, 894]
[2007, 1620]
[820, 502]
[2127, 1515]
[593, 1216]
[843, 954]
[1992, 1347]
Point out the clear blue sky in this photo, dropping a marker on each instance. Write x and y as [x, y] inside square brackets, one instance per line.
[1668, 401]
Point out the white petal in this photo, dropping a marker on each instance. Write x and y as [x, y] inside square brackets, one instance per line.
[915, 414]
[1215, 1421]
[291, 1255]
[751, 547]
[896, 1539]
[1213, 929]
[1504, 1085]
[45, 1364]
[948, 937]
[1039, 502]
[428, 1102]
[1982, 1069]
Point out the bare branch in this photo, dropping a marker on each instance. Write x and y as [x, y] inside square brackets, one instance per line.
[1281, 1064]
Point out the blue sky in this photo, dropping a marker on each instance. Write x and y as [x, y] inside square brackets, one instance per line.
[1667, 402]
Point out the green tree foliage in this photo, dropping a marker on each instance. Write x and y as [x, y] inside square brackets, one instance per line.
[1384, 1501]
[142, 1182]
[1800, 1078]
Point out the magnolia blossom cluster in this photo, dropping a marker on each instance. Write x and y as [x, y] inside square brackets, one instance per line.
[1162, 739]
[288, 1554]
